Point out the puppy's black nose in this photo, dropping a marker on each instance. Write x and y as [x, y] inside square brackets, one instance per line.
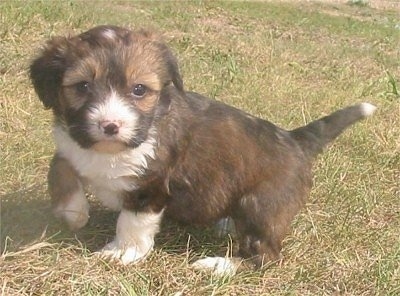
[110, 128]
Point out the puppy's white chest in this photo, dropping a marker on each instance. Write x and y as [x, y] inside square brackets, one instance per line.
[109, 172]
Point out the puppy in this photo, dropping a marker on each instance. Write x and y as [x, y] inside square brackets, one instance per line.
[125, 128]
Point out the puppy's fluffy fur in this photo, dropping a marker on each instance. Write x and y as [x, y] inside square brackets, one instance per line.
[125, 126]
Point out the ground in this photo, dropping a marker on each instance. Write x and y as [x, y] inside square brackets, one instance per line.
[288, 62]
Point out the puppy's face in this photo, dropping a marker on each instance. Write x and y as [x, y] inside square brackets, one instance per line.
[107, 85]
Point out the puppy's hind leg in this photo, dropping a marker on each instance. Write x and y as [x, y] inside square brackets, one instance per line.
[260, 245]
[68, 197]
[225, 227]
[262, 222]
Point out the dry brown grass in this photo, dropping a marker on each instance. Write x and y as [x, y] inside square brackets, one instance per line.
[288, 62]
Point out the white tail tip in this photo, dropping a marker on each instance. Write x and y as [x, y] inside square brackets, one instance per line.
[367, 109]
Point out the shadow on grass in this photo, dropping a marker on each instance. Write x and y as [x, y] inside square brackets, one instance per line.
[26, 218]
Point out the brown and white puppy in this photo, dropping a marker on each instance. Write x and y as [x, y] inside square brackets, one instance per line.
[125, 127]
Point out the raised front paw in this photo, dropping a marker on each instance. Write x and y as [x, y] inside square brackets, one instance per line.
[67, 194]
[75, 211]
[126, 255]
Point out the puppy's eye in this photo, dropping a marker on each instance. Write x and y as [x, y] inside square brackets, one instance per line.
[82, 87]
[139, 90]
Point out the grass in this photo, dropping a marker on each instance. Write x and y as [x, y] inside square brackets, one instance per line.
[286, 62]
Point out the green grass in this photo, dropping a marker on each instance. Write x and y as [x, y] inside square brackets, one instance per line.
[288, 63]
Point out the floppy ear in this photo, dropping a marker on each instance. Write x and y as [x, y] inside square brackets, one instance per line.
[171, 62]
[173, 70]
[47, 70]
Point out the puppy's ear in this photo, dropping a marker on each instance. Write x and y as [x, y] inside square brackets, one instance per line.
[174, 70]
[47, 70]
[171, 61]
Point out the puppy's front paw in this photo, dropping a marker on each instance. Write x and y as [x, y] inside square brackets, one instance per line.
[126, 255]
[75, 212]
[135, 236]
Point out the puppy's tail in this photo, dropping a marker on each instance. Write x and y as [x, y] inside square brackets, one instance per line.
[314, 136]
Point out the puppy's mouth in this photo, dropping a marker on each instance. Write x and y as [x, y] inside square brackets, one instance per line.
[103, 137]
[106, 137]
[110, 126]
[109, 141]
[109, 146]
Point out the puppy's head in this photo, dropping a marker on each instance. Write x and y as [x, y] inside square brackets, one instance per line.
[107, 85]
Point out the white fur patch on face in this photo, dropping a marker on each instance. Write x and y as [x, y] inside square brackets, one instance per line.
[76, 211]
[113, 109]
[135, 236]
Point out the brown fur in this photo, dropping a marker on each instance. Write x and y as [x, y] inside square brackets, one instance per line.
[212, 160]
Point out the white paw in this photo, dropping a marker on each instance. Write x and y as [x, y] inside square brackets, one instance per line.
[75, 220]
[135, 237]
[75, 212]
[219, 266]
[125, 255]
